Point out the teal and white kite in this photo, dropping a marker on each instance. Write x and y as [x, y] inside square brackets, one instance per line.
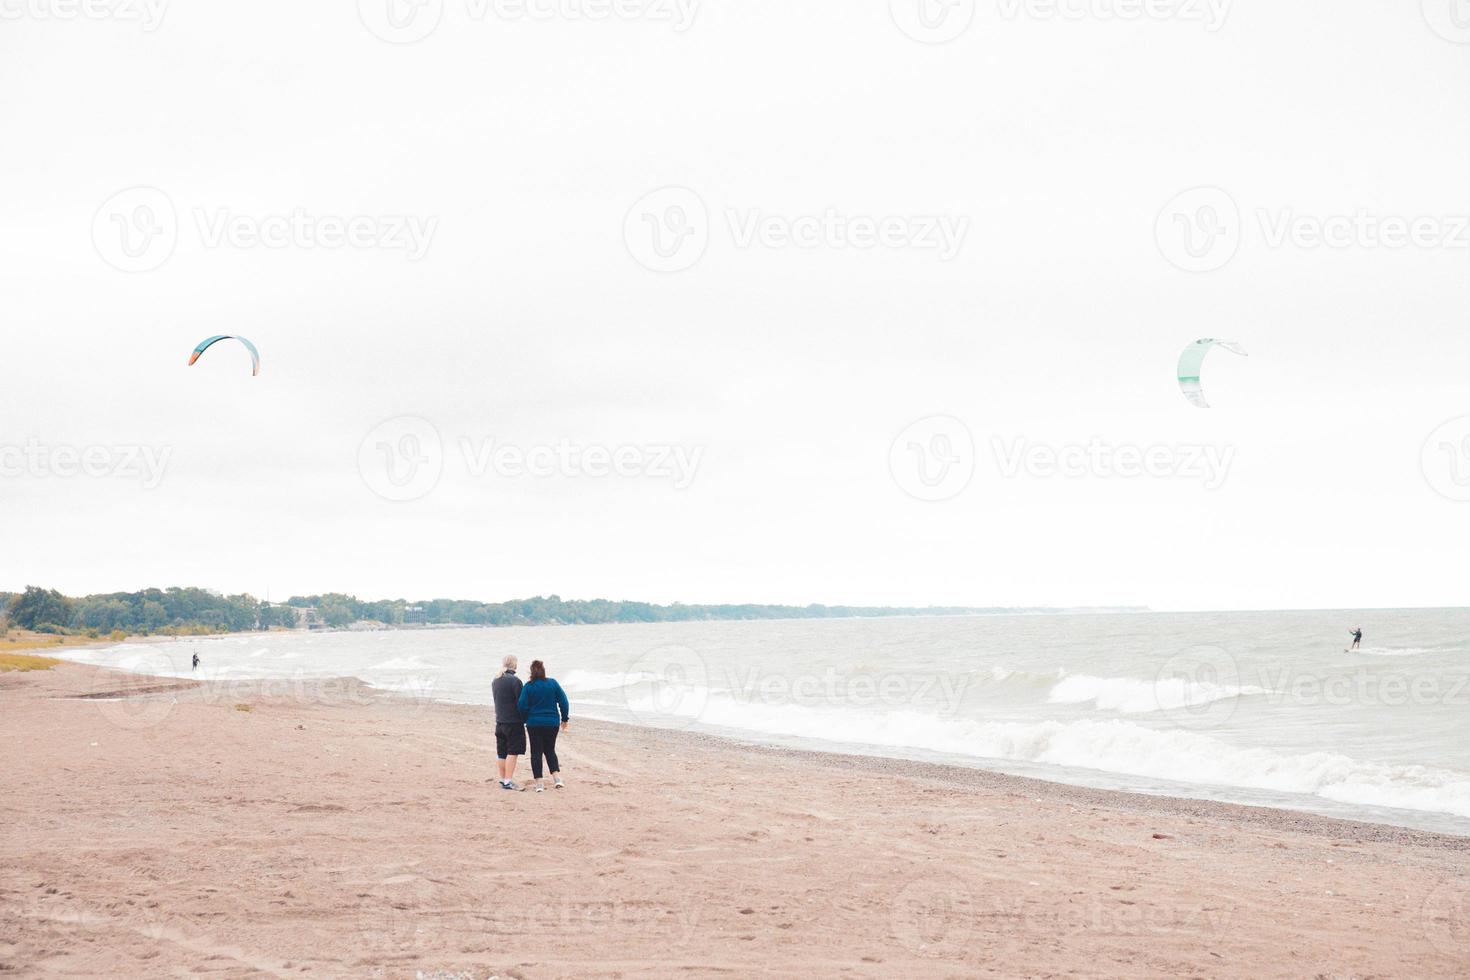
[1193, 359]
[211, 341]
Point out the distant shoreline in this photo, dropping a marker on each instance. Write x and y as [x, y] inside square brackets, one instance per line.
[420, 627]
[197, 612]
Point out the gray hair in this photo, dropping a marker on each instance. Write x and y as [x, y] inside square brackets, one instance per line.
[510, 662]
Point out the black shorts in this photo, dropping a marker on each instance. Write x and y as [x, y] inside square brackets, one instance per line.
[510, 740]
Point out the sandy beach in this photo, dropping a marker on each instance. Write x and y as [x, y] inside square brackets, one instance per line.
[159, 827]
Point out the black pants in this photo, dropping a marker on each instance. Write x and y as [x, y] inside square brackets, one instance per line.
[543, 742]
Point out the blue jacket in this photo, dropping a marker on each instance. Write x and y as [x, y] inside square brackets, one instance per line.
[540, 701]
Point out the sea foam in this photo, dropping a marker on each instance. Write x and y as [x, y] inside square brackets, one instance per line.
[1107, 745]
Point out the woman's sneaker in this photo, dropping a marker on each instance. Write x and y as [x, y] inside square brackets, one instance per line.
[556, 781]
[540, 788]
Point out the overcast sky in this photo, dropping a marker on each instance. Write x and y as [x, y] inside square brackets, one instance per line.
[814, 288]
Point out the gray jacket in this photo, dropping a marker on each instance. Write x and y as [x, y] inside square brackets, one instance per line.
[507, 691]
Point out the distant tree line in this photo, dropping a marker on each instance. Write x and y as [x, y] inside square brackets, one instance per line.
[166, 611]
[339, 610]
[194, 611]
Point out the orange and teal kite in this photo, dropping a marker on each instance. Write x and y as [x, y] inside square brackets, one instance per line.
[206, 345]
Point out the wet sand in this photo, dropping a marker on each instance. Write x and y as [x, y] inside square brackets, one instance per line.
[156, 827]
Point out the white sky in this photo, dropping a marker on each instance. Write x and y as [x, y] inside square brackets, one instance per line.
[528, 321]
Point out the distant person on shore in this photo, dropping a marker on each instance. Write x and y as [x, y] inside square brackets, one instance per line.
[1357, 632]
[510, 724]
[196, 661]
[544, 706]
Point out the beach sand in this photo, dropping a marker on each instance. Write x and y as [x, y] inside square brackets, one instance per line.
[330, 830]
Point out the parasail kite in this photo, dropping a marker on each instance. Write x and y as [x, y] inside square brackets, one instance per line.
[1193, 359]
[206, 345]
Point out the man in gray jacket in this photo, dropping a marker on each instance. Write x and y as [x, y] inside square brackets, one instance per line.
[510, 727]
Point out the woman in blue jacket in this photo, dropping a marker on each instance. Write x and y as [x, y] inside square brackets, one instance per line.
[544, 706]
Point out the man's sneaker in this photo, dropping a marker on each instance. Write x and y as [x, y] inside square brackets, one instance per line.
[556, 781]
[540, 788]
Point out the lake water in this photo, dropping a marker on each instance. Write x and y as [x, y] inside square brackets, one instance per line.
[1266, 708]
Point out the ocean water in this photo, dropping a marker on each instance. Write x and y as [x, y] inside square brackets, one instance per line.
[1266, 708]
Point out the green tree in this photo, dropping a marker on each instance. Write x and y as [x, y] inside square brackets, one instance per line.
[41, 607]
[103, 613]
[336, 613]
[155, 616]
[272, 616]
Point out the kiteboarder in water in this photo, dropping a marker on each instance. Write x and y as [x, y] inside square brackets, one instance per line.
[196, 660]
[1357, 632]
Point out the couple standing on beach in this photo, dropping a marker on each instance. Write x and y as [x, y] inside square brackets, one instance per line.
[538, 708]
